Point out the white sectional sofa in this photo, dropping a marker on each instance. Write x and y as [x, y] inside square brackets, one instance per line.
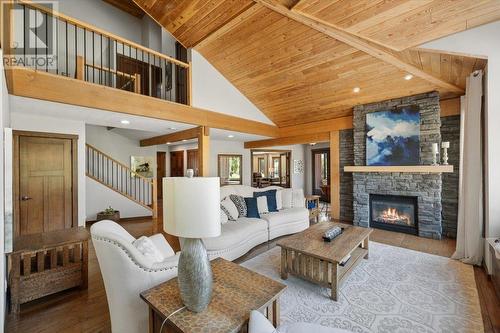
[240, 236]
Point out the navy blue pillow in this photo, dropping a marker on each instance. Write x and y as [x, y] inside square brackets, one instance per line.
[252, 209]
[271, 199]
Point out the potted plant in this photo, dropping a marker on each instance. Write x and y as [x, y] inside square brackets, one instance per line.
[109, 214]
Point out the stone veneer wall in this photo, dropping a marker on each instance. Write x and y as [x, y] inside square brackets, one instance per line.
[427, 187]
[346, 158]
[450, 131]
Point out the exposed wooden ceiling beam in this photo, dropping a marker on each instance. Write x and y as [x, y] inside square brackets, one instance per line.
[188, 134]
[27, 82]
[370, 48]
[292, 140]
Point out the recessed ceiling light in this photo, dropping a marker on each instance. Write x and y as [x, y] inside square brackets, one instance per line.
[356, 89]
[408, 77]
[312, 143]
[169, 143]
[230, 136]
[125, 122]
[184, 140]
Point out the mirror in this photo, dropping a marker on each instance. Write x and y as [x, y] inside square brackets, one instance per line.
[229, 169]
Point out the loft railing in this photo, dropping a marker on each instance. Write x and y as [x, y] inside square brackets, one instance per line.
[78, 50]
[120, 178]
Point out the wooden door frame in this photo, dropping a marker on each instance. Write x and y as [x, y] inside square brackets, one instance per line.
[313, 166]
[280, 151]
[16, 134]
[159, 184]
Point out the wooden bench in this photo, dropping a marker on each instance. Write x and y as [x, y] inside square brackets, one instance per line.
[46, 263]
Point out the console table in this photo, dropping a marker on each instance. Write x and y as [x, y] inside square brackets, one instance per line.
[46, 263]
[236, 291]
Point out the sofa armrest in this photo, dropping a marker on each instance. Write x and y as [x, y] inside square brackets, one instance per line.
[162, 245]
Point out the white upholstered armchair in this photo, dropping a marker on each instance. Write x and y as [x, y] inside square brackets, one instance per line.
[127, 272]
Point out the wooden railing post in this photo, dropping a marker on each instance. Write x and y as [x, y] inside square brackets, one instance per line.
[137, 83]
[80, 68]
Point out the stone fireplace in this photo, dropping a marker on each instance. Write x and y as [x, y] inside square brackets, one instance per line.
[424, 189]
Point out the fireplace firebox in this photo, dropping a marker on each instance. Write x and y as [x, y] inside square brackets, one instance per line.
[394, 212]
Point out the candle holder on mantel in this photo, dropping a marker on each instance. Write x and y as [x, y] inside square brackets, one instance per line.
[445, 145]
[435, 151]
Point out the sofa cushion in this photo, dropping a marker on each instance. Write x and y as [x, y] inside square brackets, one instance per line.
[287, 215]
[223, 216]
[262, 205]
[252, 208]
[234, 233]
[230, 209]
[286, 197]
[271, 199]
[240, 204]
[279, 200]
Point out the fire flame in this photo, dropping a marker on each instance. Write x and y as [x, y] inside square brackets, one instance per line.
[391, 215]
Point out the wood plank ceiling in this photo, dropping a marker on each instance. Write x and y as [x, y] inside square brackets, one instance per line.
[298, 73]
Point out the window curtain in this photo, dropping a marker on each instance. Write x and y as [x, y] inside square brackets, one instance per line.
[470, 202]
[224, 169]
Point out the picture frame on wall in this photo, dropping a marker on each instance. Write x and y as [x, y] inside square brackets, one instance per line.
[143, 165]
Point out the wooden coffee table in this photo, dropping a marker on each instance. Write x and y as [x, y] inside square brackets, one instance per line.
[307, 256]
[236, 291]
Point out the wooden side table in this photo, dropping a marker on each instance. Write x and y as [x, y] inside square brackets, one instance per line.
[46, 263]
[236, 291]
[314, 211]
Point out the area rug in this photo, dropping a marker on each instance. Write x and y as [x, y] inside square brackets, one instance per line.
[395, 290]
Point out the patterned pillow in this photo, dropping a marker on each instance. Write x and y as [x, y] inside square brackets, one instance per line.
[223, 215]
[240, 204]
[228, 207]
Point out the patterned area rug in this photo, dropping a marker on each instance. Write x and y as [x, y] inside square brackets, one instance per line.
[396, 290]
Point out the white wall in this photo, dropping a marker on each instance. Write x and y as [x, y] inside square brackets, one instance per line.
[44, 124]
[484, 40]
[212, 91]
[4, 122]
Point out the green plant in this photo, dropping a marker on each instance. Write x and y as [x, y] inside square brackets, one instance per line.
[109, 211]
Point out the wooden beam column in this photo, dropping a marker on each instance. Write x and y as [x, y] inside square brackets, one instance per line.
[335, 174]
[203, 152]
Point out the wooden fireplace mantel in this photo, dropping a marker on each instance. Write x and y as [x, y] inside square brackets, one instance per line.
[403, 169]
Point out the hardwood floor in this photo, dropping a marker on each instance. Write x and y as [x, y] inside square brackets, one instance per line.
[87, 310]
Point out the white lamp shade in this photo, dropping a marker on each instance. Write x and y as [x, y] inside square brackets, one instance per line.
[191, 206]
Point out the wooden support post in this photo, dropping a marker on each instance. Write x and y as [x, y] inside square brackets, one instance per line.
[137, 83]
[80, 68]
[203, 152]
[189, 83]
[335, 174]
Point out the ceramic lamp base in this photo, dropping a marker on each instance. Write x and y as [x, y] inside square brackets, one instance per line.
[194, 275]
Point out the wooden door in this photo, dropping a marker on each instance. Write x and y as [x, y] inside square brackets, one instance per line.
[177, 163]
[321, 173]
[45, 184]
[161, 171]
[192, 161]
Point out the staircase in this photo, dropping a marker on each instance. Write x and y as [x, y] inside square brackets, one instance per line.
[120, 178]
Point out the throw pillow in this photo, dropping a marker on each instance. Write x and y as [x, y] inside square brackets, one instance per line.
[252, 208]
[286, 196]
[240, 204]
[148, 248]
[279, 200]
[262, 205]
[271, 199]
[298, 199]
[223, 216]
[230, 209]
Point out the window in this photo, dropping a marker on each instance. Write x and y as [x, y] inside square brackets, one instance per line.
[230, 169]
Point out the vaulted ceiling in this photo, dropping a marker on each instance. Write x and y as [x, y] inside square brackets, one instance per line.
[298, 61]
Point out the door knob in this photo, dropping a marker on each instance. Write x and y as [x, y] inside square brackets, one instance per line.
[25, 198]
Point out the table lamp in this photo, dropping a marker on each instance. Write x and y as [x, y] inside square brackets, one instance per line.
[191, 211]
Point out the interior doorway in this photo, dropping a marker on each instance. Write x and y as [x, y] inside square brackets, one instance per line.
[177, 163]
[321, 173]
[45, 182]
[270, 167]
[192, 161]
[161, 172]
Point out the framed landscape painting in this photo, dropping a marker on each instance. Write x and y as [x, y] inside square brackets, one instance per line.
[142, 165]
[393, 137]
